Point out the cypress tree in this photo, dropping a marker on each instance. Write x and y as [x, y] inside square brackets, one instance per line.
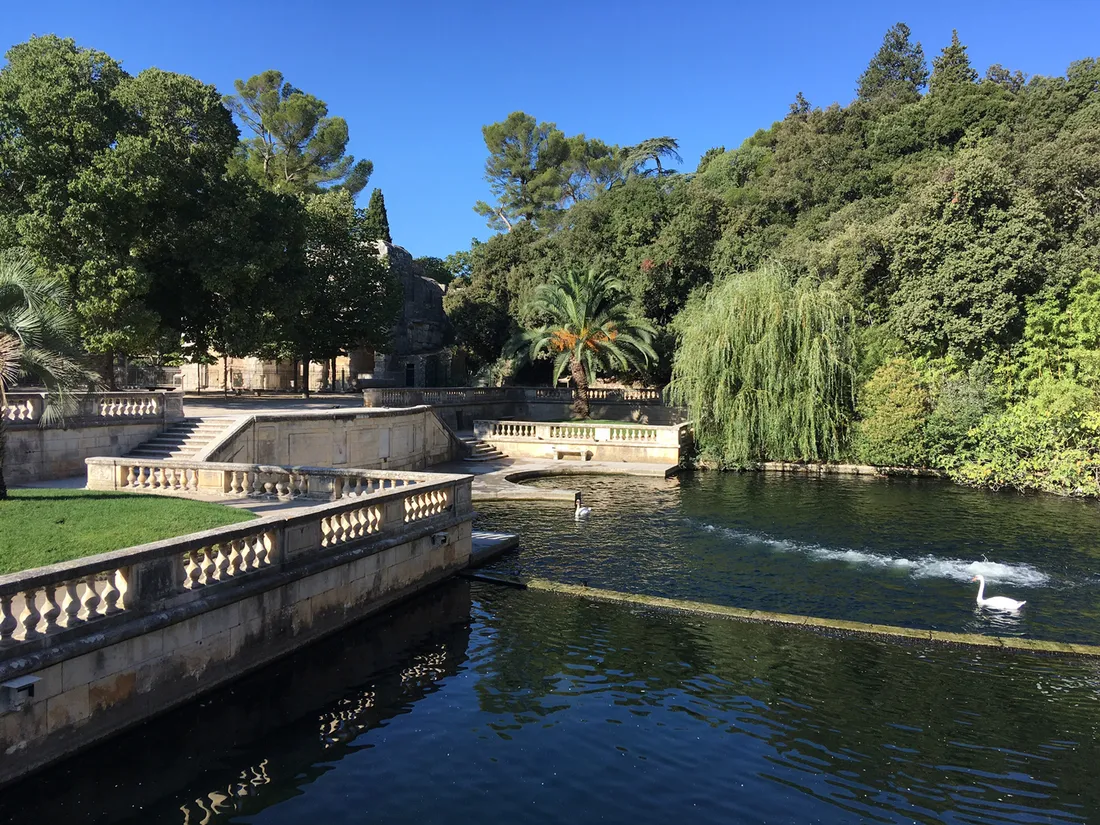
[952, 67]
[897, 72]
[376, 224]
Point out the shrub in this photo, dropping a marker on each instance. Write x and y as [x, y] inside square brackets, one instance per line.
[893, 407]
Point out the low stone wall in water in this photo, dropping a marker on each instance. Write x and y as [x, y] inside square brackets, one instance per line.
[92, 646]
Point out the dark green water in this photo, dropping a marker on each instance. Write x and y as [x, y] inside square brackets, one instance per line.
[898, 552]
[480, 703]
[483, 704]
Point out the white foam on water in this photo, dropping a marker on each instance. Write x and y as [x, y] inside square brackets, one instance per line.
[925, 567]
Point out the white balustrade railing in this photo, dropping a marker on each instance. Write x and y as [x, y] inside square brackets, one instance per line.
[97, 408]
[581, 433]
[50, 601]
[233, 480]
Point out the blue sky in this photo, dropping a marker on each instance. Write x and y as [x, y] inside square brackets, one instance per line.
[416, 81]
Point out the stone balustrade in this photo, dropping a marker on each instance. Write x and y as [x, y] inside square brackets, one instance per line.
[609, 442]
[25, 409]
[57, 603]
[671, 436]
[235, 480]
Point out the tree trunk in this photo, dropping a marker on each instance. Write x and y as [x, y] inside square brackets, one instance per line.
[305, 374]
[109, 371]
[225, 375]
[580, 388]
[3, 449]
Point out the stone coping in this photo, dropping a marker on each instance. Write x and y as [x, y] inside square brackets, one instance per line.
[13, 584]
[127, 625]
[1010, 644]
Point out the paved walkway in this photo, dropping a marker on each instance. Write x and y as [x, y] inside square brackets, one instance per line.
[214, 404]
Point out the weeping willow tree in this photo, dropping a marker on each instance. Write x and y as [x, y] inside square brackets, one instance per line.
[766, 367]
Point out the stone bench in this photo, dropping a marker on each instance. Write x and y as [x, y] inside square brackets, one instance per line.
[582, 452]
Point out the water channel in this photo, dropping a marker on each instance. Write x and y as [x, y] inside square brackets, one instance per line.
[482, 703]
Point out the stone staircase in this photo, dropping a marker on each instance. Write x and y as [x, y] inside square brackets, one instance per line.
[185, 439]
[478, 450]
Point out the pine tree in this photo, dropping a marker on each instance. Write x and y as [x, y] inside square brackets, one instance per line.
[897, 72]
[952, 67]
[376, 223]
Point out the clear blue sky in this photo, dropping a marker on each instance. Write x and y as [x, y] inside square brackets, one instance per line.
[416, 81]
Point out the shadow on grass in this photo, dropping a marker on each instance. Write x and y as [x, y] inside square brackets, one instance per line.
[74, 495]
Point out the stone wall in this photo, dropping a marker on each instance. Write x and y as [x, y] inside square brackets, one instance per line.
[408, 439]
[103, 424]
[152, 627]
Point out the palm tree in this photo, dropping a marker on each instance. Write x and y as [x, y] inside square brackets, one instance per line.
[38, 341]
[589, 327]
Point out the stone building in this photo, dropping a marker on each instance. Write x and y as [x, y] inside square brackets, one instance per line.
[418, 355]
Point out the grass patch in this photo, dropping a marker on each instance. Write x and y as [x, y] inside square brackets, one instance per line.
[45, 526]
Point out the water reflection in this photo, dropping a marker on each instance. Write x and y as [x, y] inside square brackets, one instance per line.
[490, 704]
[266, 737]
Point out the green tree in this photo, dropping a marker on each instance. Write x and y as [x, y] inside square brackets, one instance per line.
[108, 181]
[892, 408]
[965, 257]
[587, 327]
[435, 268]
[897, 72]
[951, 68]
[524, 169]
[346, 296]
[636, 159]
[297, 146]
[38, 341]
[766, 368]
[376, 223]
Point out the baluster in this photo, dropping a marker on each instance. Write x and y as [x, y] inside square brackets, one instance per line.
[264, 548]
[91, 601]
[70, 605]
[111, 594]
[282, 489]
[52, 610]
[8, 624]
[193, 569]
[326, 532]
[233, 557]
[31, 615]
[130, 476]
[248, 560]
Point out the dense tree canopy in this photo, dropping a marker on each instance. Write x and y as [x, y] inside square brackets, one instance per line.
[953, 211]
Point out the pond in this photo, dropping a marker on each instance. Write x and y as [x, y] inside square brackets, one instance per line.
[477, 703]
[898, 551]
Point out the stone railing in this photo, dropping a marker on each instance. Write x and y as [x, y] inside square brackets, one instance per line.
[49, 605]
[25, 409]
[413, 396]
[671, 436]
[184, 477]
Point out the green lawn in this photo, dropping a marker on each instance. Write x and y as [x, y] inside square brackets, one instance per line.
[45, 526]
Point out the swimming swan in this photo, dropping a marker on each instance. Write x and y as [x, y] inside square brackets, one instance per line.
[995, 602]
[580, 512]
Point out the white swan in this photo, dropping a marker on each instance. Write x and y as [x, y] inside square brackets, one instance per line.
[580, 512]
[995, 602]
